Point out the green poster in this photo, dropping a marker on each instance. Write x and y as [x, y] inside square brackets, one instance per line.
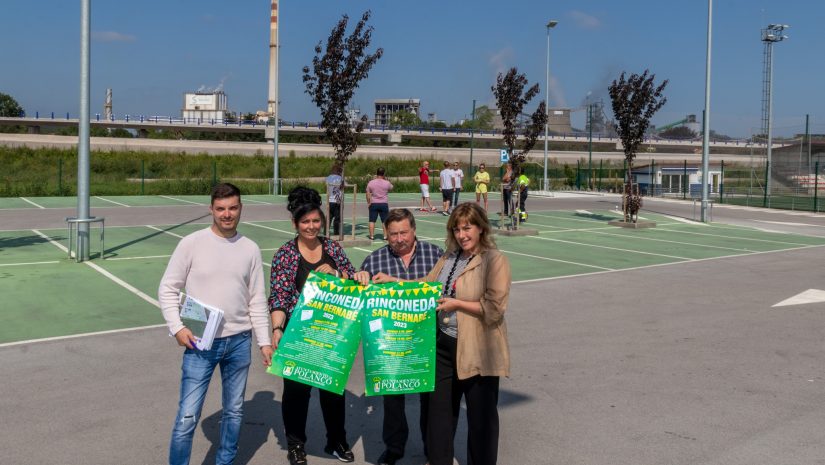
[322, 337]
[398, 330]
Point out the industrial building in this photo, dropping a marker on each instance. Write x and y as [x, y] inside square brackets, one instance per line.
[204, 106]
[384, 109]
[558, 121]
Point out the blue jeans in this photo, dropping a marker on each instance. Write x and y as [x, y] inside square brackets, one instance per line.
[233, 355]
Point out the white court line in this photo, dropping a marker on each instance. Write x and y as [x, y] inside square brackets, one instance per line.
[628, 236]
[539, 257]
[785, 223]
[366, 250]
[728, 237]
[29, 201]
[594, 220]
[123, 284]
[418, 220]
[56, 244]
[246, 199]
[685, 220]
[553, 278]
[29, 263]
[75, 336]
[611, 248]
[100, 270]
[182, 200]
[112, 201]
[557, 260]
[291, 233]
[137, 258]
[584, 212]
[163, 231]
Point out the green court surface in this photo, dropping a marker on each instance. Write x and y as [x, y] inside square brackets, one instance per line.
[47, 295]
[104, 201]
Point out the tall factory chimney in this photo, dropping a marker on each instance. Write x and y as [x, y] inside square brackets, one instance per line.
[107, 107]
[272, 105]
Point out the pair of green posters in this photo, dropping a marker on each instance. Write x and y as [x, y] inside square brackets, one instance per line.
[395, 320]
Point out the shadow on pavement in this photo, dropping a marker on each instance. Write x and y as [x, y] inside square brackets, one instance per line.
[25, 241]
[111, 250]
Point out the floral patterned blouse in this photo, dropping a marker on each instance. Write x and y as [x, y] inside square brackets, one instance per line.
[282, 292]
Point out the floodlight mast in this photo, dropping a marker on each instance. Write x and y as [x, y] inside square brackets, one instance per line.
[706, 119]
[550, 25]
[771, 34]
[83, 135]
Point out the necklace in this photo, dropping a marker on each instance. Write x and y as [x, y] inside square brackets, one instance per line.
[449, 290]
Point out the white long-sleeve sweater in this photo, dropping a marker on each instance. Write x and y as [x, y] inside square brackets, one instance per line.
[222, 273]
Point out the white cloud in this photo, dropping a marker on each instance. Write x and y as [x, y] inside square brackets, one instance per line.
[557, 99]
[584, 20]
[499, 60]
[112, 36]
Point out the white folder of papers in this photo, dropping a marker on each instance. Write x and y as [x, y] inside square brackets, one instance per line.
[202, 320]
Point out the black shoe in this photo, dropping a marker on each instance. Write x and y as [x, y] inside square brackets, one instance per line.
[389, 458]
[341, 451]
[297, 455]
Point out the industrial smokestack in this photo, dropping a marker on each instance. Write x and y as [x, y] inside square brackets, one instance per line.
[107, 107]
[272, 105]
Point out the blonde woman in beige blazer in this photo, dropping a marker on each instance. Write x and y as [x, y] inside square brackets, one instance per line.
[471, 344]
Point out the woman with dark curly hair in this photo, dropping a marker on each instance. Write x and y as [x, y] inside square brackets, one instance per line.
[291, 265]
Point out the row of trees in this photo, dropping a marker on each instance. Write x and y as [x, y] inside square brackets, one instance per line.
[339, 67]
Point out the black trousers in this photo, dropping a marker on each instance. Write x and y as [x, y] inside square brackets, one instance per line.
[507, 195]
[335, 218]
[395, 430]
[294, 408]
[522, 199]
[481, 396]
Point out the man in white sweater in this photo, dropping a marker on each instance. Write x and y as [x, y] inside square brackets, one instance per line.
[221, 268]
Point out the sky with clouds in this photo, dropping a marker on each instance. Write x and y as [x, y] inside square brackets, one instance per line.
[445, 53]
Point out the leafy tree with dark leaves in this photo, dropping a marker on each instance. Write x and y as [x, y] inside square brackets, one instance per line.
[635, 100]
[334, 76]
[511, 99]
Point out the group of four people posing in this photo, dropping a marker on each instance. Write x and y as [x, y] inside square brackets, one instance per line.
[221, 267]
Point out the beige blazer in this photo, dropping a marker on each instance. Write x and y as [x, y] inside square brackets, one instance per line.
[482, 340]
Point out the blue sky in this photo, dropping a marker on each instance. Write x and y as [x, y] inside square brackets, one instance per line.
[446, 53]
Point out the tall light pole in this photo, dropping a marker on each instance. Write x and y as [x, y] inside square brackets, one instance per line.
[772, 33]
[550, 25]
[706, 119]
[273, 88]
[83, 134]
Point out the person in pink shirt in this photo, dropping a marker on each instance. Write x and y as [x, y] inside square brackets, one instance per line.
[377, 200]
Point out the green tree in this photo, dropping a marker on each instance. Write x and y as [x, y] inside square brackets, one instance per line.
[483, 119]
[405, 119]
[9, 106]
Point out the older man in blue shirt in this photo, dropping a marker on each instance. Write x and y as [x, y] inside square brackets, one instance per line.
[403, 258]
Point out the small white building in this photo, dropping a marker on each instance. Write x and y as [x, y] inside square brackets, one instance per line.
[204, 106]
[672, 178]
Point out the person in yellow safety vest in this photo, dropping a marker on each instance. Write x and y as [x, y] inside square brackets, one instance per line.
[522, 182]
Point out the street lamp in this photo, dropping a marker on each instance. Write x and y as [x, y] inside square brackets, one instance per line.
[706, 119]
[550, 24]
[772, 33]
